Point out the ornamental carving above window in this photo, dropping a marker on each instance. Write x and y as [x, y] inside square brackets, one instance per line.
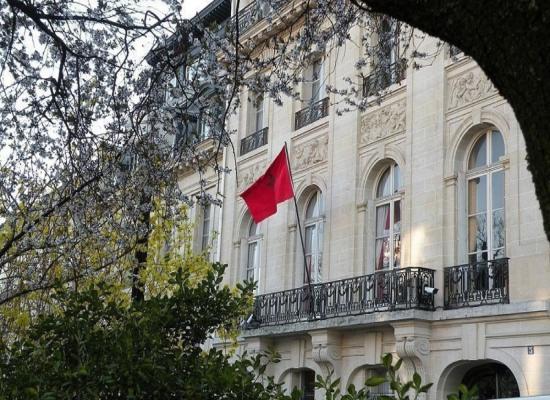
[383, 122]
[310, 153]
[469, 87]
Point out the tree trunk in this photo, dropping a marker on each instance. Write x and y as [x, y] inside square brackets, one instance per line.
[509, 39]
[142, 241]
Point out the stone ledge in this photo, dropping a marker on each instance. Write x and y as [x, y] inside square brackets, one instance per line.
[385, 317]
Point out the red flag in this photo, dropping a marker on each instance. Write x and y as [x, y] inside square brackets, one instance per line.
[270, 189]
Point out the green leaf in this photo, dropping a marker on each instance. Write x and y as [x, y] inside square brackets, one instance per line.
[417, 380]
[425, 388]
[375, 381]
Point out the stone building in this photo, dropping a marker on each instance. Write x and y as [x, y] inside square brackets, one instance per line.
[426, 189]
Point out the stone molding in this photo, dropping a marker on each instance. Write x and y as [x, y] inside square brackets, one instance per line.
[468, 88]
[310, 153]
[384, 122]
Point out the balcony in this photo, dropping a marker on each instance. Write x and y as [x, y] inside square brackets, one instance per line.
[251, 14]
[398, 289]
[476, 284]
[383, 77]
[254, 141]
[311, 114]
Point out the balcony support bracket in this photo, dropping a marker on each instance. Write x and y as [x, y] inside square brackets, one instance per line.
[412, 344]
[326, 351]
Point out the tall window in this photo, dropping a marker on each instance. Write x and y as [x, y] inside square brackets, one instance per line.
[388, 65]
[259, 113]
[486, 227]
[388, 220]
[314, 82]
[205, 231]
[253, 253]
[314, 237]
[256, 114]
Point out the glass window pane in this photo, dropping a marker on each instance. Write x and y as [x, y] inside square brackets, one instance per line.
[205, 227]
[497, 146]
[499, 253]
[383, 220]
[308, 267]
[259, 113]
[477, 195]
[309, 238]
[478, 157]
[397, 217]
[498, 229]
[397, 182]
[477, 233]
[497, 189]
[251, 262]
[253, 230]
[314, 206]
[384, 186]
[382, 253]
[397, 251]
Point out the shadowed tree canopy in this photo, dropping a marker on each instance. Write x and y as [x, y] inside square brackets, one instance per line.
[509, 40]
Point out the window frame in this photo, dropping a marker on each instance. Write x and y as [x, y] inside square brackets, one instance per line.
[314, 81]
[395, 197]
[488, 171]
[206, 217]
[316, 225]
[253, 240]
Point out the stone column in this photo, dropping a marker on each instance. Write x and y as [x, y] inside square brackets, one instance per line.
[236, 270]
[290, 270]
[360, 238]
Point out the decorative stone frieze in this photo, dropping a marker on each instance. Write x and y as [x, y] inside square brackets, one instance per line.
[249, 174]
[310, 153]
[467, 88]
[383, 122]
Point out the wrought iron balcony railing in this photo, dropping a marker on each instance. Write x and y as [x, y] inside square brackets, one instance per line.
[254, 141]
[382, 77]
[398, 289]
[476, 284]
[251, 14]
[311, 114]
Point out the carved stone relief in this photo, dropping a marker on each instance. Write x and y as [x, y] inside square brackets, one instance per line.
[310, 153]
[249, 174]
[384, 122]
[468, 87]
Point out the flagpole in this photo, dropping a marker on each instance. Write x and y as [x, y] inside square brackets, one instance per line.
[298, 220]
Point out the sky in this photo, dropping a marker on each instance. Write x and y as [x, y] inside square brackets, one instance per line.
[191, 7]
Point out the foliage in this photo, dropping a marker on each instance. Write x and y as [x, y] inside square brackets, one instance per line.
[400, 390]
[98, 347]
[169, 250]
[464, 393]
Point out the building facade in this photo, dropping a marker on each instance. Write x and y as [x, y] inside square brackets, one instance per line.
[427, 188]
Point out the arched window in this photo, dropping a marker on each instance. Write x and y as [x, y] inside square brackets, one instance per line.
[493, 380]
[314, 237]
[485, 175]
[252, 270]
[387, 249]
